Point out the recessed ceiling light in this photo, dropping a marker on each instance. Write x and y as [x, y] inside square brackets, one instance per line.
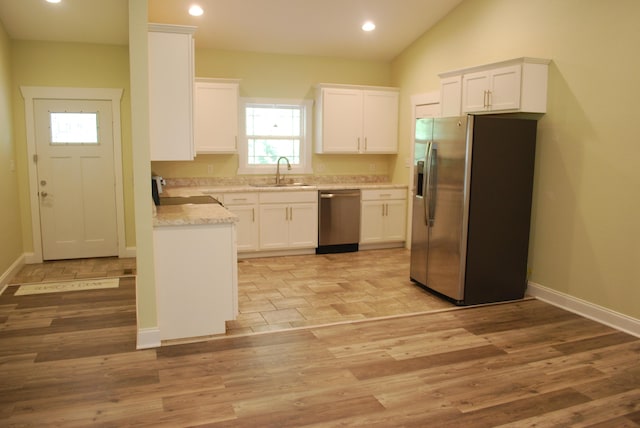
[368, 26]
[195, 10]
[54, 1]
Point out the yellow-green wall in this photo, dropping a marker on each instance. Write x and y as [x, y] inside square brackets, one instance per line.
[283, 76]
[585, 231]
[10, 223]
[72, 65]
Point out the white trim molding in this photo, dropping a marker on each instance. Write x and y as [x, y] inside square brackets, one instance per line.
[32, 93]
[589, 310]
[11, 272]
[148, 338]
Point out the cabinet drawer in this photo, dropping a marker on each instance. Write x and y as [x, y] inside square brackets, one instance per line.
[279, 197]
[240, 198]
[383, 194]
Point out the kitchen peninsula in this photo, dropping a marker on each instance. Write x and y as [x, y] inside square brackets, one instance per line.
[195, 269]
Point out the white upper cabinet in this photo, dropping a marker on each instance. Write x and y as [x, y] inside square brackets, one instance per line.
[450, 96]
[216, 115]
[351, 119]
[380, 118]
[518, 85]
[171, 92]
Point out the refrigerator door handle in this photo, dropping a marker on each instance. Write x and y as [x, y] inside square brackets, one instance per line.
[425, 184]
[433, 183]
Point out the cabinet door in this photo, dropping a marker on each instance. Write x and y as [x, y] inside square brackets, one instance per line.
[341, 120]
[303, 225]
[505, 88]
[216, 117]
[395, 220]
[274, 226]
[246, 227]
[380, 122]
[450, 96]
[170, 96]
[474, 91]
[371, 222]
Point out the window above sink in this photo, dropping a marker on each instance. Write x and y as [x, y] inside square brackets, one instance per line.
[273, 128]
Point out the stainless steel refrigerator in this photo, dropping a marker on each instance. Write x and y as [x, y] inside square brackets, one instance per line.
[472, 188]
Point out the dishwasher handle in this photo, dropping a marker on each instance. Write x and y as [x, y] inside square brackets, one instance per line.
[338, 195]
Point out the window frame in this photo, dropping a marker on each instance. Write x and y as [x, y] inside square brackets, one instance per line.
[305, 141]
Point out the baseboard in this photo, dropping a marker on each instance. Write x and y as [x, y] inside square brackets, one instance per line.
[32, 258]
[382, 246]
[586, 309]
[148, 338]
[10, 272]
[275, 253]
[128, 252]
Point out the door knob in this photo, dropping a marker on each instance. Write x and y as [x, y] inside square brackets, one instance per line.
[43, 194]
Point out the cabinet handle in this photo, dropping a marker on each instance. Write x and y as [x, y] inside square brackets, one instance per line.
[239, 199]
[489, 100]
[484, 99]
[253, 215]
[290, 213]
[358, 143]
[382, 210]
[236, 138]
[365, 144]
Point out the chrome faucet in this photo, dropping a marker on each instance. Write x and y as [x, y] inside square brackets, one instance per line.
[278, 178]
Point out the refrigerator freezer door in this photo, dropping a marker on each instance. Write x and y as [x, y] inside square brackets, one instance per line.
[449, 184]
[419, 229]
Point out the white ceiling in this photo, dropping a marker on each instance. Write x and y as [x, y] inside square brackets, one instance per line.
[300, 27]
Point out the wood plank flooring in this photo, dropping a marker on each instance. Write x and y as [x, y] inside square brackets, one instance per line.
[69, 359]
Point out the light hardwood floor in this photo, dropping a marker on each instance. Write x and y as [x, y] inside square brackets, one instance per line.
[69, 359]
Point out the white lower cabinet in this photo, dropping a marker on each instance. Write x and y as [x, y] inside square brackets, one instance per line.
[288, 220]
[383, 216]
[245, 206]
[196, 279]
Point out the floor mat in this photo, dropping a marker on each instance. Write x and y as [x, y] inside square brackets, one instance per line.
[77, 285]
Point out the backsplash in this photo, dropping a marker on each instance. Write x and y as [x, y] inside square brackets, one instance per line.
[260, 179]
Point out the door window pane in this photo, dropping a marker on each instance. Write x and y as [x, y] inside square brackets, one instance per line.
[74, 128]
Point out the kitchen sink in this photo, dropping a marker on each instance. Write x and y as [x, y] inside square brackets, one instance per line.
[280, 185]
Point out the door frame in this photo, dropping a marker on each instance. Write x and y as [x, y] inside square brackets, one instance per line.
[32, 93]
[430, 98]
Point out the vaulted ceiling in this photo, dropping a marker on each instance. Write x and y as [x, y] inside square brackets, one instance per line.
[299, 27]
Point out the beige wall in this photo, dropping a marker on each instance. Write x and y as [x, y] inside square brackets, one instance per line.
[72, 65]
[10, 223]
[585, 230]
[283, 76]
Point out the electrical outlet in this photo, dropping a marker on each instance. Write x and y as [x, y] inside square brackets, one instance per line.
[12, 165]
[209, 169]
[372, 167]
[320, 167]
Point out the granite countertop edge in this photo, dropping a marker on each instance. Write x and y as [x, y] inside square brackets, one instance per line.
[192, 214]
[210, 214]
[245, 188]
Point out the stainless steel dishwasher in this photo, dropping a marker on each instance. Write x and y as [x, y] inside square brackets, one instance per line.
[338, 221]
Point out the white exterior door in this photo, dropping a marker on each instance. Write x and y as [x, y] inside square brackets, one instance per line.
[76, 178]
